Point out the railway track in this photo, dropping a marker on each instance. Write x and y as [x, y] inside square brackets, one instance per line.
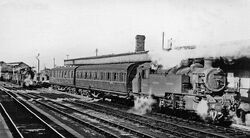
[183, 130]
[67, 111]
[167, 122]
[227, 131]
[164, 122]
[167, 127]
[23, 122]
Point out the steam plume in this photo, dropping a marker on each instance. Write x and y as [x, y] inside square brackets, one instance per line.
[28, 81]
[233, 49]
[202, 109]
[142, 105]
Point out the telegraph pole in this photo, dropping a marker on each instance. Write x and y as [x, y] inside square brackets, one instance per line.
[96, 52]
[38, 62]
[170, 43]
[54, 62]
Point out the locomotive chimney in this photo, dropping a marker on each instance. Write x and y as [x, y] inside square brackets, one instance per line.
[140, 41]
[208, 62]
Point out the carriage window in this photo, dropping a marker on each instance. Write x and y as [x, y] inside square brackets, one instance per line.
[98, 75]
[121, 76]
[102, 76]
[77, 74]
[115, 76]
[90, 75]
[108, 76]
[95, 75]
[124, 77]
[81, 75]
[85, 75]
[145, 74]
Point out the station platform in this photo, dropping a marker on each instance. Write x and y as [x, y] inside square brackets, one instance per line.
[4, 130]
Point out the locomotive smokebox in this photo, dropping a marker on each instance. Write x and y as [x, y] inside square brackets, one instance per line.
[208, 62]
[140, 41]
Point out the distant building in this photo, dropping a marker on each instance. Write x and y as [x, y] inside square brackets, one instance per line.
[140, 55]
[43, 76]
[13, 70]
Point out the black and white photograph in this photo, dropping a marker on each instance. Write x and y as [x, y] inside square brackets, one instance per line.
[124, 68]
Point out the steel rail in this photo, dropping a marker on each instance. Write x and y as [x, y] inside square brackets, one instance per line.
[102, 131]
[46, 124]
[112, 111]
[13, 127]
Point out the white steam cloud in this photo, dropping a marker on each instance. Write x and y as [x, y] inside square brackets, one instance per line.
[202, 109]
[28, 81]
[234, 50]
[142, 105]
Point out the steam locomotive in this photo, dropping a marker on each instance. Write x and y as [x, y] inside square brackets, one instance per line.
[182, 87]
[23, 77]
[27, 77]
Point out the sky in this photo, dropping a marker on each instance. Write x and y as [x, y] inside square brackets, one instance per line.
[56, 28]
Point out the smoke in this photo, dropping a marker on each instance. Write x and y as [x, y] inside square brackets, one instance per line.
[142, 105]
[28, 80]
[233, 50]
[202, 109]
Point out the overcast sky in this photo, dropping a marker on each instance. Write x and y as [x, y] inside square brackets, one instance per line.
[56, 28]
